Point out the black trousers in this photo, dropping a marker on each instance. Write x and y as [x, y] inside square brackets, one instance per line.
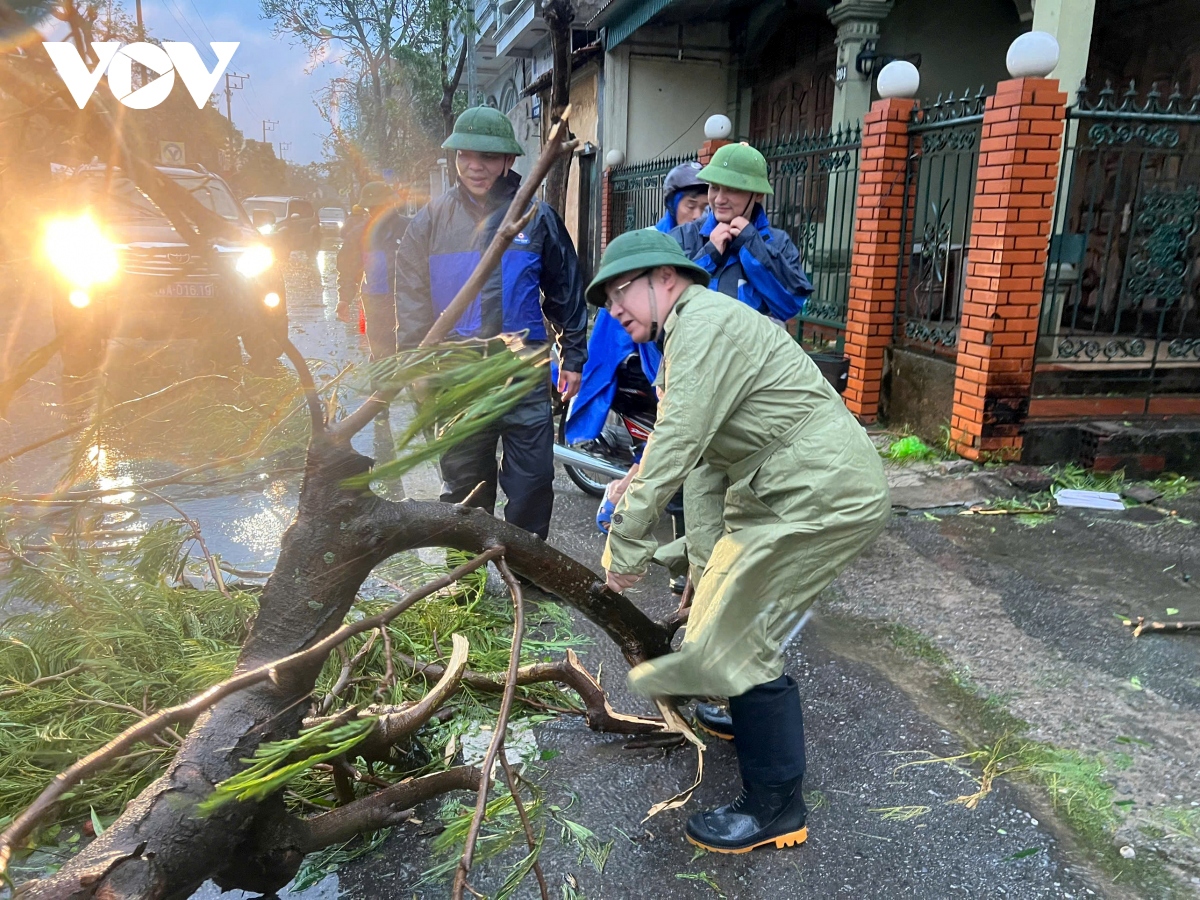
[525, 470]
[768, 731]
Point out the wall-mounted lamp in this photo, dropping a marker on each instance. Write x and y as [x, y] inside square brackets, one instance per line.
[870, 61]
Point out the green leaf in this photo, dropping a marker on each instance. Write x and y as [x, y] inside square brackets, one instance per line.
[1023, 854]
[1172, 611]
[1136, 683]
[96, 824]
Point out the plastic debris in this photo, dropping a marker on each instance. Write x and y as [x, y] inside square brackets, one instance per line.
[1089, 499]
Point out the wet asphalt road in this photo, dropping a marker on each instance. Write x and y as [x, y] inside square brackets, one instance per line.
[876, 830]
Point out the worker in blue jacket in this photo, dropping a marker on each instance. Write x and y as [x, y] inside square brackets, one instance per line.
[746, 258]
[685, 197]
[538, 281]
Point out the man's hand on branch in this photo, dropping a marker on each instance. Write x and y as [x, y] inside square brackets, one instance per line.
[621, 583]
[568, 383]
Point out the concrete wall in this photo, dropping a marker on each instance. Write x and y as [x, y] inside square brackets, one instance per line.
[962, 42]
[918, 393]
[656, 103]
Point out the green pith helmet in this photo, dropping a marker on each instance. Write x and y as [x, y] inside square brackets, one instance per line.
[375, 193]
[634, 251]
[738, 166]
[484, 129]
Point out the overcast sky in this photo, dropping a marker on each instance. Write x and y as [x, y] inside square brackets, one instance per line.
[278, 87]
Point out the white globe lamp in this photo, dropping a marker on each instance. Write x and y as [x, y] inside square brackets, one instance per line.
[1032, 55]
[899, 78]
[718, 127]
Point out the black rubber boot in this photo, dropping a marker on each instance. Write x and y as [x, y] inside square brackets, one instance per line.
[714, 719]
[763, 814]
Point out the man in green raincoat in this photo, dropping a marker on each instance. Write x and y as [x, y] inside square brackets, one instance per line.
[803, 494]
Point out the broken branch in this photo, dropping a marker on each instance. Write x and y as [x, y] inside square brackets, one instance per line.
[24, 823]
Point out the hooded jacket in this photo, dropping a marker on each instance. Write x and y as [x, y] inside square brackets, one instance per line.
[761, 266]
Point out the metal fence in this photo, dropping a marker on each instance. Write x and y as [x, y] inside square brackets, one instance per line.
[815, 179]
[939, 194]
[1120, 307]
[637, 194]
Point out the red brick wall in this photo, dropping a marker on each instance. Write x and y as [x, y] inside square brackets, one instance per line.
[1019, 154]
[875, 262]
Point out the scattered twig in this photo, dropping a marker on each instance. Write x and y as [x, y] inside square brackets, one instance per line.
[45, 679]
[511, 778]
[466, 501]
[194, 526]
[242, 573]
[348, 667]
[1140, 625]
[23, 824]
[506, 701]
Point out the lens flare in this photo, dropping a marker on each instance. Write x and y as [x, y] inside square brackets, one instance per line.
[80, 252]
[79, 299]
[256, 260]
[271, 300]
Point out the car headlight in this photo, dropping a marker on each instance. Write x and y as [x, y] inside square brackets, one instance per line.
[80, 252]
[256, 260]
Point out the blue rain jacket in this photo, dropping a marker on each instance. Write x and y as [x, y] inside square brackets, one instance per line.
[608, 347]
[761, 266]
[538, 274]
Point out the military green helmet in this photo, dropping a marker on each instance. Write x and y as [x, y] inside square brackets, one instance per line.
[485, 130]
[635, 251]
[740, 167]
[375, 193]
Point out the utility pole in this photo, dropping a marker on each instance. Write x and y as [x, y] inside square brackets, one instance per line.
[140, 24]
[229, 89]
[283, 146]
[472, 60]
[268, 125]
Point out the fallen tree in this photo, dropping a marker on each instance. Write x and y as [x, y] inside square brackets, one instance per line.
[170, 839]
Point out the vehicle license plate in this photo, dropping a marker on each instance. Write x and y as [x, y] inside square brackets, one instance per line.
[185, 289]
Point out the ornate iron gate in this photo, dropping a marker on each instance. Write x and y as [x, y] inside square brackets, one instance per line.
[1119, 311]
[815, 177]
[939, 186]
[637, 194]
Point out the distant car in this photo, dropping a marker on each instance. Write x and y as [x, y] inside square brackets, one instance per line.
[117, 267]
[290, 222]
[332, 218]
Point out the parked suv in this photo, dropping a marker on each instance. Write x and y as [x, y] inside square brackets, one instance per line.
[294, 225]
[119, 268]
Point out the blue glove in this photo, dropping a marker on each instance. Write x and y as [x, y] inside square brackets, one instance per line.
[604, 515]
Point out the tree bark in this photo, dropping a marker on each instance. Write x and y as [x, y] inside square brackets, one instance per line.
[558, 16]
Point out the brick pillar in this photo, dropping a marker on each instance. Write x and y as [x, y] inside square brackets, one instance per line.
[708, 148]
[875, 260]
[1019, 154]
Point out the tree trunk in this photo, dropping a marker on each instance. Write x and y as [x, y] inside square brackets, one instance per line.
[160, 847]
[558, 15]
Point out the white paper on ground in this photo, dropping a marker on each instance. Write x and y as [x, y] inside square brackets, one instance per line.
[1089, 499]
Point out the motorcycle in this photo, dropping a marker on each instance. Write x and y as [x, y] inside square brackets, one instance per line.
[592, 464]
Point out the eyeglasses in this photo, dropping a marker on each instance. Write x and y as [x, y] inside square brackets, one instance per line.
[617, 295]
